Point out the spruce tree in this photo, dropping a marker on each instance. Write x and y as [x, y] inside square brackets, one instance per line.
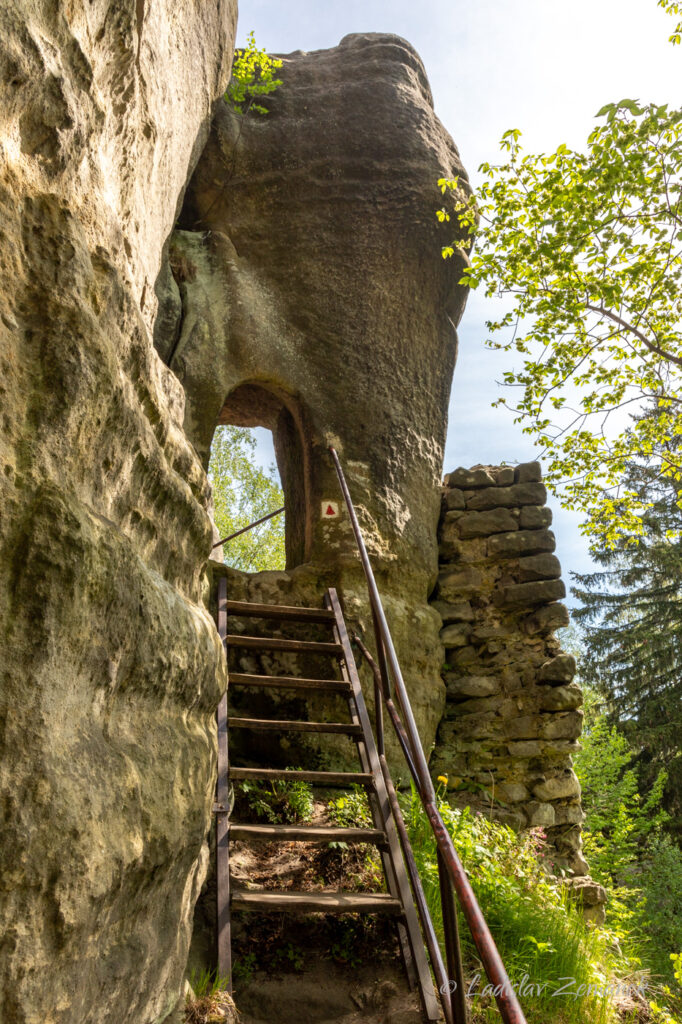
[631, 618]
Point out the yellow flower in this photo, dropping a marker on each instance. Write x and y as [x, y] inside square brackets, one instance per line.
[443, 779]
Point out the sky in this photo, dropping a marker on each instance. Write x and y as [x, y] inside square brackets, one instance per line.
[538, 65]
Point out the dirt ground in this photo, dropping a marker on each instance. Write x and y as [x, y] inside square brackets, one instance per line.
[329, 993]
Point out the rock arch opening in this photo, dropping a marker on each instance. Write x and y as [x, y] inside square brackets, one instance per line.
[254, 404]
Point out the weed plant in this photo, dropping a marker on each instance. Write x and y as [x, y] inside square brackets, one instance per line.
[279, 801]
[350, 810]
[541, 936]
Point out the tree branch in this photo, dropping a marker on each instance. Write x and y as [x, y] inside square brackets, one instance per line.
[668, 356]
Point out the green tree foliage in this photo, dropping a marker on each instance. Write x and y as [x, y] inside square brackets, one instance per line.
[625, 843]
[631, 618]
[618, 820]
[674, 8]
[585, 248]
[242, 493]
[253, 76]
[661, 908]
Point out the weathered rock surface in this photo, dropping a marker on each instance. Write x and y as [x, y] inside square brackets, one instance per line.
[512, 714]
[589, 895]
[110, 669]
[314, 301]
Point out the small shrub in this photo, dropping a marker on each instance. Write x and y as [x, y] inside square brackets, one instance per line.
[350, 810]
[210, 1001]
[660, 910]
[347, 947]
[253, 76]
[290, 957]
[244, 966]
[280, 801]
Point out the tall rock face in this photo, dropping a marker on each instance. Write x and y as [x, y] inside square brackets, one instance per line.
[109, 665]
[309, 296]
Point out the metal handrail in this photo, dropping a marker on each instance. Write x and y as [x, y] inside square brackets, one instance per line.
[245, 529]
[453, 871]
[429, 932]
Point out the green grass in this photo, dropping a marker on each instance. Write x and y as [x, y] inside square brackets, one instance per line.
[539, 934]
[206, 984]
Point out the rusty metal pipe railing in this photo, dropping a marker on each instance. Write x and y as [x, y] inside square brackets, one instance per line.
[390, 706]
[429, 932]
[452, 998]
[245, 529]
[505, 996]
[453, 951]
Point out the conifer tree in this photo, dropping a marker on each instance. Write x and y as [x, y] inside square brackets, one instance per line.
[631, 616]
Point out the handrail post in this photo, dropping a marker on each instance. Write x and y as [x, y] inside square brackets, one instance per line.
[420, 899]
[379, 717]
[223, 936]
[505, 996]
[381, 656]
[390, 707]
[453, 953]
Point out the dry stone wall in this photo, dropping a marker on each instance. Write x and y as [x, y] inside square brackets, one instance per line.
[512, 717]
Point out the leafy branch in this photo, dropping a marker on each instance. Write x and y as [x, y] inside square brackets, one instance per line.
[253, 76]
[585, 249]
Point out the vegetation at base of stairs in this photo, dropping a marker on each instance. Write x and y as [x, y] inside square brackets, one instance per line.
[283, 944]
[351, 810]
[541, 935]
[279, 802]
[208, 1001]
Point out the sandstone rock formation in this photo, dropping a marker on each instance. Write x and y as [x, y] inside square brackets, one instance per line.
[513, 715]
[303, 291]
[110, 669]
[313, 300]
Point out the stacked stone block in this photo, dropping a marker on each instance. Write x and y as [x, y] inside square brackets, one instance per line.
[512, 717]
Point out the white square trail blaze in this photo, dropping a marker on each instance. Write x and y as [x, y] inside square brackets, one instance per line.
[330, 509]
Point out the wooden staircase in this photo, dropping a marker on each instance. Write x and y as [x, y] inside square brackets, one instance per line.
[397, 900]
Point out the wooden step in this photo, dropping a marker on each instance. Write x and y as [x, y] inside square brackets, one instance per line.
[321, 778]
[308, 834]
[316, 902]
[285, 613]
[290, 683]
[266, 724]
[278, 643]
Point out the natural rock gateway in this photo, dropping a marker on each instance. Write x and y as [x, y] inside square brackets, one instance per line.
[317, 304]
[166, 268]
